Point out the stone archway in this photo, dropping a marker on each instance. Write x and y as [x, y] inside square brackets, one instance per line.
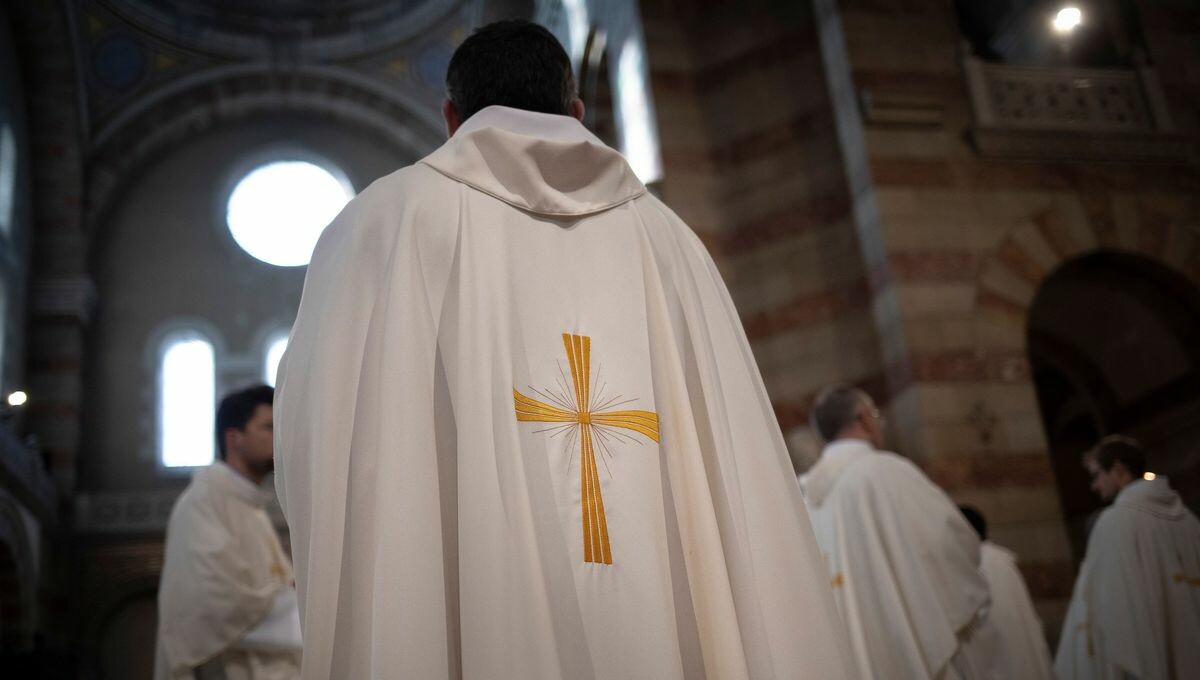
[223, 96]
[1160, 236]
[123, 636]
[17, 575]
[1032, 249]
[1114, 347]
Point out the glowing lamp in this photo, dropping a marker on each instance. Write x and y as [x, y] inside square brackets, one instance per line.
[17, 398]
[1067, 20]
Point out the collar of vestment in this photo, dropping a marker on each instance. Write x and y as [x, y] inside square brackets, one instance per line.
[835, 458]
[546, 164]
[221, 476]
[1154, 496]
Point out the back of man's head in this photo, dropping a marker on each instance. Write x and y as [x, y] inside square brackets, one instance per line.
[1117, 448]
[237, 408]
[510, 63]
[834, 409]
[976, 519]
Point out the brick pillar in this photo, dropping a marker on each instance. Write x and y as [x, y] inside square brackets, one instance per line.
[751, 162]
[60, 291]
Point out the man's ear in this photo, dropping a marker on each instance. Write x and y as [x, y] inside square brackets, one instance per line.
[227, 437]
[450, 115]
[576, 109]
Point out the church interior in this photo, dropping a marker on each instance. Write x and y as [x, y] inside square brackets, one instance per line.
[987, 220]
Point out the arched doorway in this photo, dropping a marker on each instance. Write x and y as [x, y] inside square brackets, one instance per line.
[128, 637]
[1114, 345]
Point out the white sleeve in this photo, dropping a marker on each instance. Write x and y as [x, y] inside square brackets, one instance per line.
[280, 628]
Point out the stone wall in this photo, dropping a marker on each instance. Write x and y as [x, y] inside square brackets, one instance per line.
[751, 163]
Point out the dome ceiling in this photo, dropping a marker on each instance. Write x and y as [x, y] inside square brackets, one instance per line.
[303, 29]
[157, 71]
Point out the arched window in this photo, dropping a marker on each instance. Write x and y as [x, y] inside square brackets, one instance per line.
[3, 332]
[639, 134]
[186, 401]
[278, 210]
[275, 347]
[577, 27]
[8, 177]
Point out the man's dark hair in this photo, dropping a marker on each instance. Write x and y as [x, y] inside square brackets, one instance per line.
[976, 519]
[237, 408]
[1117, 448]
[835, 408]
[510, 63]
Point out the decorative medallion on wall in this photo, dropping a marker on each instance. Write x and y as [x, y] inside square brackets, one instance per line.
[119, 61]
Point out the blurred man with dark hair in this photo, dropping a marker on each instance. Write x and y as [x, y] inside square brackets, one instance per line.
[226, 604]
[904, 563]
[1024, 654]
[1135, 612]
[521, 433]
[1114, 463]
[513, 64]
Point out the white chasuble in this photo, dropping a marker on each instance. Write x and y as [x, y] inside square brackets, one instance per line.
[903, 566]
[1135, 611]
[1023, 642]
[225, 574]
[520, 434]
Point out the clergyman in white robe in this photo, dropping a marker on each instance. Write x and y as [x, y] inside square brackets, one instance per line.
[226, 605]
[903, 562]
[1135, 610]
[1023, 652]
[520, 434]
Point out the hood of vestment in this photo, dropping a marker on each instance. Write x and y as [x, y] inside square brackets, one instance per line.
[221, 477]
[546, 164]
[1154, 496]
[835, 458]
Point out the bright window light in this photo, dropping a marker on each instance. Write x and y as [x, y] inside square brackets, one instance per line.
[1067, 20]
[577, 26]
[8, 177]
[278, 211]
[3, 325]
[639, 136]
[186, 397]
[274, 353]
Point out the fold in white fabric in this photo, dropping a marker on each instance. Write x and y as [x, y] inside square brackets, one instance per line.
[280, 628]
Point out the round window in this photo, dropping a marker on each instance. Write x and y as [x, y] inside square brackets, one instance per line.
[278, 210]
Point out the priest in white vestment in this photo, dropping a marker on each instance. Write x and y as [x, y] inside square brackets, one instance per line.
[1135, 611]
[226, 604]
[521, 433]
[903, 562]
[1024, 652]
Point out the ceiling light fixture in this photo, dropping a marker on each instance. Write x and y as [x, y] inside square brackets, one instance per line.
[1067, 20]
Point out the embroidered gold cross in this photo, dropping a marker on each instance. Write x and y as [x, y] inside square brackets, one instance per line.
[579, 413]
